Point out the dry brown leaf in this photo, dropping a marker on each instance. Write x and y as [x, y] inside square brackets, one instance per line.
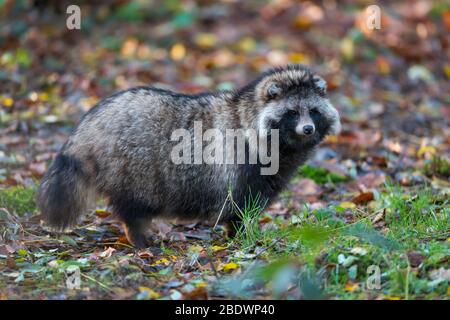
[378, 220]
[363, 198]
[38, 168]
[196, 294]
[307, 187]
[415, 258]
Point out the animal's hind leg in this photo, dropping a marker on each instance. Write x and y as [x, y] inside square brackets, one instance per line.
[136, 217]
[135, 231]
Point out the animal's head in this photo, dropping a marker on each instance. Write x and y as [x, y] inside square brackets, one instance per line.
[294, 100]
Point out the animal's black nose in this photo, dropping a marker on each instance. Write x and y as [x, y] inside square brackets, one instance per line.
[308, 129]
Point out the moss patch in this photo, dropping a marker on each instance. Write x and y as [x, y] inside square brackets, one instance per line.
[320, 175]
[18, 199]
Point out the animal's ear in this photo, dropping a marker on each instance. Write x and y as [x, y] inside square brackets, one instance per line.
[320, 83]
[274, 90]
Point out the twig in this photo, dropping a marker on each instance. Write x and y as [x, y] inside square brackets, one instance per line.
[41, 240]
[434, 236]
[221, 211]
[357, 221]
[274, 242]
[96, 281]
[115, 244]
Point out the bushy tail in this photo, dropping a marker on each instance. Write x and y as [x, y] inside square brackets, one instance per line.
[64, 193]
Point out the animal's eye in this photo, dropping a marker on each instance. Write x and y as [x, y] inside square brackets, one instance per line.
[292, 112]
[314, 111]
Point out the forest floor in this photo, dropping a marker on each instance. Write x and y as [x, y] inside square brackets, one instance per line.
[367, 218]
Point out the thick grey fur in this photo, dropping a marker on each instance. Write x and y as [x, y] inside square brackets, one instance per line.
[121, 151]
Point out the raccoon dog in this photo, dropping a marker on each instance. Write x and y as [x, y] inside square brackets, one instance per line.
[121, 150]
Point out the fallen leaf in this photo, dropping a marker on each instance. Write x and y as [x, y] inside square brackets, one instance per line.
[307, 187]
[102, 213]
[359, 251]
[10, 263]
[379, 217]
[446, 19]
[144, 254]
[150, 293]
[392, 298]
[426, 150]
[440, 274]
[350, 286]
[217, 248]
[363, 198]
[199, 293]
[162, 261]
[371, 180]
[38, 168]
[229, 266]
[265, 219]
[69, 240]
[107, 253]
[205, 40]
[347, 205]
[201, 284]
[196, 248]
[415, 258]
[162, 228]
[277, 208]
[175, 295]
[178, 52]
[123, 239]
[7, 102]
